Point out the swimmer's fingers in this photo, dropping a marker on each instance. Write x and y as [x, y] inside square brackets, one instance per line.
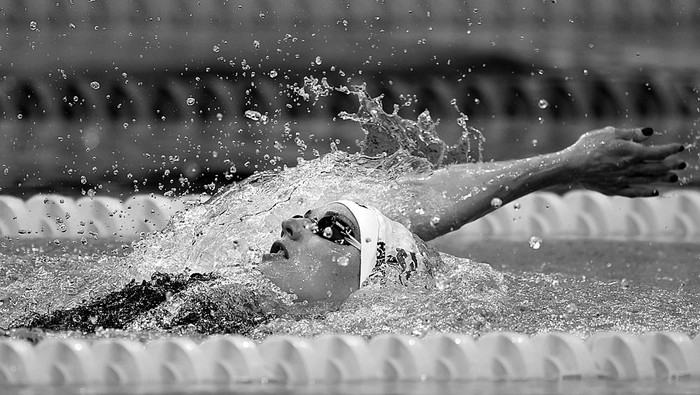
[638, 191]
[651, 174]
[631, 190]
[655, 152]
[647, 187]
[660, 152]
[657, 168]
[633, 134]
[616, 185]
[640, 181]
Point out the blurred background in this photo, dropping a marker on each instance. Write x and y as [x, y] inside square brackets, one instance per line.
[167, 96]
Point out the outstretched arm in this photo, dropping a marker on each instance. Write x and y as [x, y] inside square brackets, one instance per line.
[609, 160]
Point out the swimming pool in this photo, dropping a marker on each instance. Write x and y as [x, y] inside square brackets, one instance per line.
[108, 97]
[631, 298]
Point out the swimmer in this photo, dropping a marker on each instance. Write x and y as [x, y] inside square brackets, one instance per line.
[329, 252]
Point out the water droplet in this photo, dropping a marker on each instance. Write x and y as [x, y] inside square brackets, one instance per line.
[496, 202]
[434, 221]
[300, 143]
[254, 115]
[273, 73]
[95, 85]
[543, 104]
[219, 116]
[190, 101]
[343, 261]
[535, 242]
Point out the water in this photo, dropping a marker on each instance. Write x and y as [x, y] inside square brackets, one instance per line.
[228, 235]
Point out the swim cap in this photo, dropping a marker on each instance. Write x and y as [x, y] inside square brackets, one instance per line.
[382, 238]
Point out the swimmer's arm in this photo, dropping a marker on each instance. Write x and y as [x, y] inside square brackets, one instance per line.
[609, 160]
[459, 194]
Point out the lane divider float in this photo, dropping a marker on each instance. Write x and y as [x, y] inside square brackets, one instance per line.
[333, 359]
[674, 217]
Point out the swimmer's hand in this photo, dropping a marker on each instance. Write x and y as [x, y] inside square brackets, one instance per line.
[615, 162]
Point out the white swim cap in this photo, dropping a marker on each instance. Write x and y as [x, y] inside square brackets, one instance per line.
[376, 228]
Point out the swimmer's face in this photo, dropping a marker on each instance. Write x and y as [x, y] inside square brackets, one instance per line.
[313, 259]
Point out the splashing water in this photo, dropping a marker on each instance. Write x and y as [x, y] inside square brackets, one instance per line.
[389, 133]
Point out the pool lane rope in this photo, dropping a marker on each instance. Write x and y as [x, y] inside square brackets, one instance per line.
[333, 359]
[673, 216]
[57, 216]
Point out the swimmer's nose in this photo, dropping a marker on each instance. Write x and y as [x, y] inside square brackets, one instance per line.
[294, 228]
